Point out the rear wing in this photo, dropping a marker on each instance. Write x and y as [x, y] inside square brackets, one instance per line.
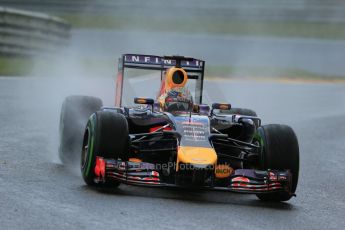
[194, 68]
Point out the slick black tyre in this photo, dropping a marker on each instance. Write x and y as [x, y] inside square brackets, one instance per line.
[279, 151]
[106, 135]
[75, 112]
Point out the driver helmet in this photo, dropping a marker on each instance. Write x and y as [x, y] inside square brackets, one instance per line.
[178, 100]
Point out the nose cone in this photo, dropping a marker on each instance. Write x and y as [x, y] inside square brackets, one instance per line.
[196, 156]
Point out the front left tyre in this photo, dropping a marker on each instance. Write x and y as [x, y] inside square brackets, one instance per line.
[279, 151]
[106, 135]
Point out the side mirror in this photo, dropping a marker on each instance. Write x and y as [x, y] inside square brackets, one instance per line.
[222, 106]
[143, 100]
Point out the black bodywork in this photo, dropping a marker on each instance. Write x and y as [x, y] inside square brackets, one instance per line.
[158, 150]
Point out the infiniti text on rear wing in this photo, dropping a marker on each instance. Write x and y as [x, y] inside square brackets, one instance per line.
[159, 62]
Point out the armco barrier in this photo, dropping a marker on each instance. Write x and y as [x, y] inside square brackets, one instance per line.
[324, 11]
[27, 33]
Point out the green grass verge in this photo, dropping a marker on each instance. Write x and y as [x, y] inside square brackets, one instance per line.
[25, 66]
[209, 25]
[14, 66]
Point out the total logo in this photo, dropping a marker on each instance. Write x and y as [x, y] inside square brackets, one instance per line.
[223, 171]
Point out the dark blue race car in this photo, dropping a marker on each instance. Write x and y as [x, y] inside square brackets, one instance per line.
[174, 140]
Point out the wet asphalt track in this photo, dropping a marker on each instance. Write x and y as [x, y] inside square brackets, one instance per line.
[36, 192]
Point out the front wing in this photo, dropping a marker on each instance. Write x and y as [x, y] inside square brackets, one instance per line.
[241, 181]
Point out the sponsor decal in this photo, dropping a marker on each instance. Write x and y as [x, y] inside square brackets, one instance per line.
[154, 173]
[223, 171]
[151, 178]
[194, 129]
[273, 176]
[155, 60]
[187, 124]
[240, 179]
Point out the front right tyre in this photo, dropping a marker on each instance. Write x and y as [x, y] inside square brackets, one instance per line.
[106, 135]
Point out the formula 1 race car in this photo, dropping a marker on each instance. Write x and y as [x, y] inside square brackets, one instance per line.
[174, 140]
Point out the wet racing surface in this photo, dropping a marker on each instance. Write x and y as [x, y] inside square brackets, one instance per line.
[37, 192]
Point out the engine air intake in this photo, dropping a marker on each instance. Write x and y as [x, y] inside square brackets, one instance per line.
[176, 77]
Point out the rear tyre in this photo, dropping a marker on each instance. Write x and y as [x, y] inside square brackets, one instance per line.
[75, 112]
[280, 151]
[106, 135]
